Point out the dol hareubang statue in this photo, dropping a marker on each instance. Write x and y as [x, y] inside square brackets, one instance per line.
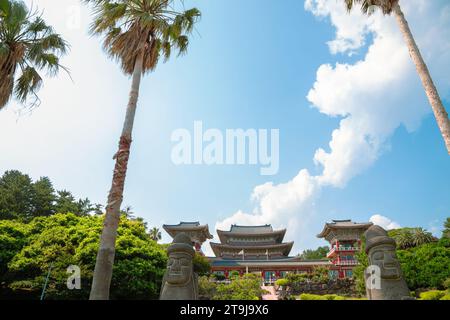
[180, 282]
[385, 279]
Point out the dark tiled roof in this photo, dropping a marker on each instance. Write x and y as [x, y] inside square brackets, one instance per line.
[342, 224]
[251, 229]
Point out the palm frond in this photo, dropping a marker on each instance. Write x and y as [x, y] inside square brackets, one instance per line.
[129, 26]
[26, 41]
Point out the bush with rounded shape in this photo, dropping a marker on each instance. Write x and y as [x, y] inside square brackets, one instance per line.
[432, 295]
[282, 282]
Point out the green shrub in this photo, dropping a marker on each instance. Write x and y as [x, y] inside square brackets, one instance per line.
[446, 284]
[432, 295]
[206, 287]
[446, 297]
[282, 282]
[308, 296]
[248, 287]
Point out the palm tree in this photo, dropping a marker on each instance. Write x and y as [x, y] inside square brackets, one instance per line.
[404, 238]
[27, 45]
[393, 6]
[136, 34]
[155, 234]
[421, 236]
[411, 237]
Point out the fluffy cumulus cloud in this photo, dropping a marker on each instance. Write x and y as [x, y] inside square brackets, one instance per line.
[373, 97]
[384, 222]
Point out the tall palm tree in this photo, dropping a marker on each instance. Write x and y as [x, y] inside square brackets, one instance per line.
[155, 234]
[393, 6]
[27, 45]
[136, 34]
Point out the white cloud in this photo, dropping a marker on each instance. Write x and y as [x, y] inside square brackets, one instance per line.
[374, 96]
[384, 222]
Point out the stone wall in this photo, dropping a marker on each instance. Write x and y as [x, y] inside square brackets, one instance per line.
[339, 286]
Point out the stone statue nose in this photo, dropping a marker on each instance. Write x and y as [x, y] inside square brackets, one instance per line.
[389, 259]
[176, 264]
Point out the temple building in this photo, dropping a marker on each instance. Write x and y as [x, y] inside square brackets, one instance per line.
[198, 233]
[252, 243]
[344, 237]
[261, 249]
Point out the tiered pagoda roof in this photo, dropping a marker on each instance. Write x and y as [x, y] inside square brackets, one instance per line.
[252, 243]
[199, 233]
[343, 230]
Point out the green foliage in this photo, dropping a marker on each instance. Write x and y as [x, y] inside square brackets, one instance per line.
[202, 266]
[293, 278]
[318, 254]
[13, 236]
[423, 266]
[21, 198]
[16, 196]
[446, 297]
[155, 234]
[432, 295]
[218, 277]
[426, 266]
[446, 284]
[207, 287]
[282, 282]
[62, 240]
[27, 46]
[359, 270]
[410, 237]
[320, 275]
[446, 232]
[308, 296]
[246, 288]
[129, 26]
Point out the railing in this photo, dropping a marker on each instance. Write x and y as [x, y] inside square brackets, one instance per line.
[342, 248]
[346, 263]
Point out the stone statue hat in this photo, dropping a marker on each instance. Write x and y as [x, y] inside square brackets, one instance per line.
[181, 243]
[376, 236]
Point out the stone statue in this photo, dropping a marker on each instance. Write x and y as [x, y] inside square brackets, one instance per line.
[180, 282]
[384, 278]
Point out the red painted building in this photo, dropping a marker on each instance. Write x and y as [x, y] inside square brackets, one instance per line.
[344, 237]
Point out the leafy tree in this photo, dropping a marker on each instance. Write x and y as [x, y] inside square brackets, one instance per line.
[426, 266]
[43, 197]
[21, 198]
[207, 287]
[13, 236]
[62, 240]
[318, 254]
[202, 266]
[16, 195]
[136, 34]
[246, 288]
[320, 274]
[393, 6]
[27, 45]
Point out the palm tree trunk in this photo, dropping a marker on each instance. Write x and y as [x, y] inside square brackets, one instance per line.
[105, 256]
[430, 89]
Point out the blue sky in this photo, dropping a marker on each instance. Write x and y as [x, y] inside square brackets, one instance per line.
[252, 64]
